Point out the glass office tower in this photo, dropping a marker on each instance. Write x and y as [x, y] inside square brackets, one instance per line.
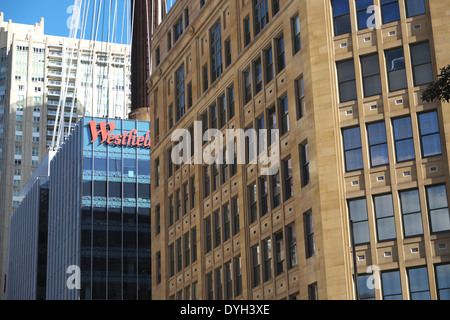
[99, 217]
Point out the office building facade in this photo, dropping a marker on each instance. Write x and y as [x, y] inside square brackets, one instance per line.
[41, 74]
[27, 259]
[98, 208]
[359, 150]
[100, 202]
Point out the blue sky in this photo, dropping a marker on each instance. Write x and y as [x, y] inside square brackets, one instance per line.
[57, 12]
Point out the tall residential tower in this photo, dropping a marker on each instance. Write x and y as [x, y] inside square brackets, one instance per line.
[39, 75]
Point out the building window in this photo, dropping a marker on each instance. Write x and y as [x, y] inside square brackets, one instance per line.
[384, 215]
[247, 34]
[171, 260]
[213, 116]
[363, 15]
[217, 227]
[187, 254]
[281, 63]
[276, 190]
[218, 283]
[272, 119]
[158, 172]
[261, 14]
[205, 77]
[284, 114]
[192, 192]
[157, 56]
[170, 116]
[256, 266]
[411, 213]
[287, 178]
[414, 8]
[352, 149]
[268, 61]
[189, 94]
[421, 64]
[169, 41]
[390, 11]
[208, 235]
[291, 244]
[235, 212]
[179, 255]
[264, 195]
[178, 205]
[371, 75]
[230, 102]
[237, 268]
[312, 291]
[300, 97]
[228, 281]
[194, 244]
[346, 80]
[391, 285]
[179, 93]
[304, 164]
[222, 111]
[365, 293]
[177, 30]
[209, 287]
[443, 281]
[309, 234]
[226, 222]
[206, 180]
[158, 219]
[247, 86]
[215, 180]
[267, 257]
[158, 267]
[403, 139]
[216, 52]
[227, 52]
[341, 15]
[438, 208]
[170, 210]
[253, 205]
[358, 215]
[257, 69]
[377, 144]
[185, 199]
[418, 283]
[279, 253]
[275, 7]
[395, 63]
[262, 141]
[296, 38]
[430, 138]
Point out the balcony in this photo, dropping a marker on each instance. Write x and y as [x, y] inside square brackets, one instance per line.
[54, 93]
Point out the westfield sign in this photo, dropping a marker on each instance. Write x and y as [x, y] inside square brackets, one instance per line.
[125, 139]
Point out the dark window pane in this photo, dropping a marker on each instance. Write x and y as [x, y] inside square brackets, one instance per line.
[414, 7]
[390, 10]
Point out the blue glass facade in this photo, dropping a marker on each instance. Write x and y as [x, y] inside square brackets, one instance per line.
[113, 209]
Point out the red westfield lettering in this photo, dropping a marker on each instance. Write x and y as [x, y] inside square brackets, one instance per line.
[125, 139]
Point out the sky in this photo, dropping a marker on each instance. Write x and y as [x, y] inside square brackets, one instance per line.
[57, 15]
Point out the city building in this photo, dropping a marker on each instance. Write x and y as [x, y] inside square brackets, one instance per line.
[98, 199]
[27, 261]
[46, 83]
[362, 157]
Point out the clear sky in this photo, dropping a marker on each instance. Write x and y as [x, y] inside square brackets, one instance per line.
[56, 14]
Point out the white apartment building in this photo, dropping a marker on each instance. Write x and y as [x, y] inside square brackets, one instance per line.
[42, 76]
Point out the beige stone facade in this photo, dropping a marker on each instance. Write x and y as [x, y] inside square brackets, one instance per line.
[322, 187]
